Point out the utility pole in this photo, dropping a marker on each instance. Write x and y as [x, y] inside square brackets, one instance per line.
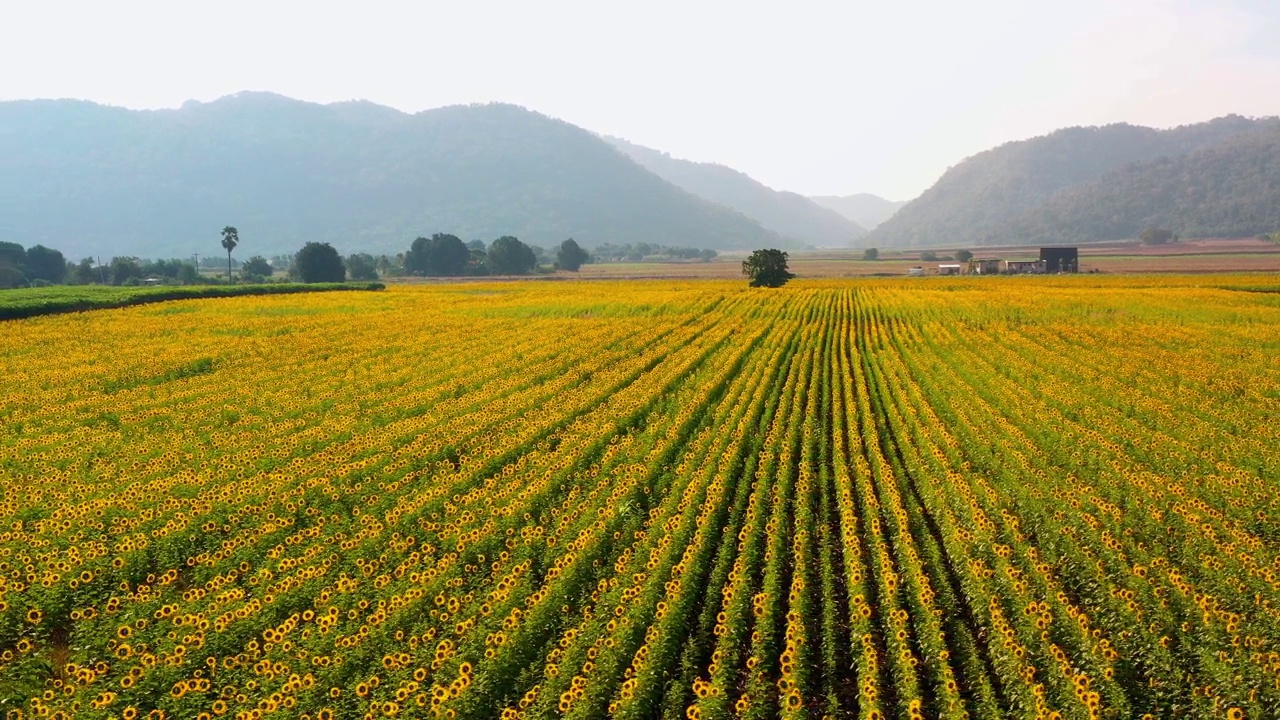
[197, 257]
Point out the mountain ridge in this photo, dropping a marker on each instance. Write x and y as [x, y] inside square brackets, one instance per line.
[979, 201]
[786, 213]
[96, 180]
[1229, 189]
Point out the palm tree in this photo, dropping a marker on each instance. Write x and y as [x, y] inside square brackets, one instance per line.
[230, 238]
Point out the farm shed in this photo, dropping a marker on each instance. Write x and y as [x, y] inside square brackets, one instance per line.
[1023, 267]
[1060, 260]
[948, 269]
[984, 267]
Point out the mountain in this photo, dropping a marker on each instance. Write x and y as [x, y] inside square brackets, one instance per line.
[95, 180]
[982, 200]
[786, 213]
[1231, 189]
[864, 209]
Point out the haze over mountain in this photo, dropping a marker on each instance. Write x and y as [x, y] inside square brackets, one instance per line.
[865, 209]
[995, 197]
[786, 213]
[95, 180]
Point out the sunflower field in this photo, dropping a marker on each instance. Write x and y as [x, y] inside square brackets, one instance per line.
[927, 498]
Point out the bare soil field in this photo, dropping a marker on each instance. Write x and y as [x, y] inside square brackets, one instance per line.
[1191, 256]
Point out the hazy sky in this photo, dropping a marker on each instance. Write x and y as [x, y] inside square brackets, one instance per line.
[816, 97]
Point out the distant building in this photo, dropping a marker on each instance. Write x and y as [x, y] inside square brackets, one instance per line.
[948, 269]
[984, 267]
[915, 272]
[1060, 260]
[1024, 267]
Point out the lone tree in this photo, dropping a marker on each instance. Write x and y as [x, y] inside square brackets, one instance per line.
[767, 268]
[871, 254]
[46, 264]
[509, 256]
[256, 266]
[571, 257]
[230, 239]
[319, 262]
[964, 255]
[1156, 236]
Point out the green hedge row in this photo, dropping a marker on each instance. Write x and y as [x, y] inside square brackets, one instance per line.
[25, 303]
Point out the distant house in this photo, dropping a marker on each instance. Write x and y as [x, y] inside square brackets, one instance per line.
[984, 267]
[949, 269]
[915, 272]
[152, 280]
[1060, 260]
[1024, 267]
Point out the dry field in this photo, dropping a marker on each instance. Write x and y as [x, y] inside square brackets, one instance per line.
[1192, 256]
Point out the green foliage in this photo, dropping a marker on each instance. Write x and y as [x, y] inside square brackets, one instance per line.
[257, 266]
[230, 238]
[84, 273]
[13, 260]
[1231, 189]
[188, 274]
[362, 266]
[1155, 236]
[31, 302]
[767, 268]
[509, 256]
[319, 263]
[11, 277]
[440, 255]
[46, 264]
[638, 252]
[12, 255]
[166, 269]
[571, 257]
[963, 255]
[871, 254]
[124, 270]
[928, 256]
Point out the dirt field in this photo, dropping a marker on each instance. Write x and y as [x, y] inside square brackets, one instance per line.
[1229, 255]
[1196, 256]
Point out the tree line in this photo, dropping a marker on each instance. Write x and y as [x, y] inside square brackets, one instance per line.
[440, 255]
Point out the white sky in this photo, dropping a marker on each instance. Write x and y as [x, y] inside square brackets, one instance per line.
[816, 97]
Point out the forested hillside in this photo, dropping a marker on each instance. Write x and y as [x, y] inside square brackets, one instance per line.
[1228, 190]
[94, 180]
[984, 199]
[786, 213]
